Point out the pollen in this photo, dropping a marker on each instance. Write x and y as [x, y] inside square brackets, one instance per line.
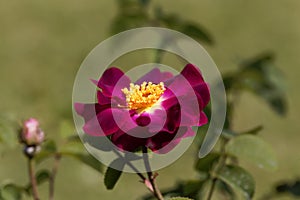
[144, 96]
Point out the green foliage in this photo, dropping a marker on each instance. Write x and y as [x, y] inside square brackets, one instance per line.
[112, 175]
[289, 188]
[262, 78]
[205, 164]
[189, 28]
[254, 150]
[10, 191]
[135, 14]
[241, 182]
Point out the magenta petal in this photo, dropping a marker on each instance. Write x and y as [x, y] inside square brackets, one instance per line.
[202, 91]
[158, 120]
[155, 76]
[103, 99]
[88, 111]
[109, 80]
[143, 119]
[192, 74]
[127, 142]
[92, 127]
[203, 119]
[110, 120]
[189, 133]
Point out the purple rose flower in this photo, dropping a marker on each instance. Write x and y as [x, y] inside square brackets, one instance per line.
[156, 111]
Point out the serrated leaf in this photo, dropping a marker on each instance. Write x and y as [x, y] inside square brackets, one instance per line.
[10, 192]
[180, 198]
[254, 150]
[112, 175]
[241, 182]
[205, 164]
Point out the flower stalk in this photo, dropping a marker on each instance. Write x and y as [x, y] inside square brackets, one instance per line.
[53, 175]
[151, 177]
[32, 179]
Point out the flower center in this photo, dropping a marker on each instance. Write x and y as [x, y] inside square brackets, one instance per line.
[141, 97]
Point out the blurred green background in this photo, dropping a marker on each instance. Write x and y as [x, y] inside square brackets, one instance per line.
[42, 44]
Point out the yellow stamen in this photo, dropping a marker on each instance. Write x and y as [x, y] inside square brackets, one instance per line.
[141, 97]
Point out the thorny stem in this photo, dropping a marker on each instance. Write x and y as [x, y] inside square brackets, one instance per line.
[151, 177]
[32, 179]
[53, 175]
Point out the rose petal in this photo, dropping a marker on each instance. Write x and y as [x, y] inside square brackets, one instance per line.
[155, 76]
[192, 74]
[110, 78]
[127, 142]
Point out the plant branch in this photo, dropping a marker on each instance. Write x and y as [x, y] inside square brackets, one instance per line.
[57, 158]
[219, 166]
[151, 177]
[32, 179]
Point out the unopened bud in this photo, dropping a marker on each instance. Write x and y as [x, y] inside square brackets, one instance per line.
[31, 134]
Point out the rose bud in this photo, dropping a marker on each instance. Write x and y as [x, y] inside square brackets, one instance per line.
[31, 134]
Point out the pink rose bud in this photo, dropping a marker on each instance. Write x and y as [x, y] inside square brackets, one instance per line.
[31, 134]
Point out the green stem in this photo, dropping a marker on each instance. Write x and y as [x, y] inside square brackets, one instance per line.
[151, 177]
[32, 179]
[218, 167]
[53, 175]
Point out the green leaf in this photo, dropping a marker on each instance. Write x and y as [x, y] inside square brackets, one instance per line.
[196, 32]
[180, 198]
[191, 188]
[42, 176]
[89, 161]
[112, 175]
[205, 164]
[10, 192]
[241, 182]
[228, 134]
[74, 148]
[254, 150]
[189, 28]
[265, 80]
[253, 131]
